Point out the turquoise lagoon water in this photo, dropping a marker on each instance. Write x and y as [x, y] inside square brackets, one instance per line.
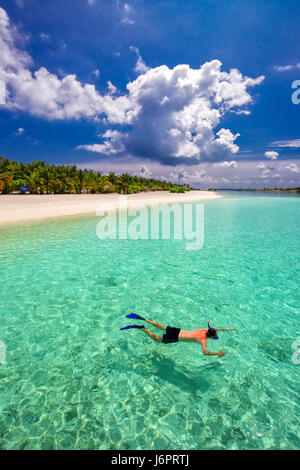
[72, 380]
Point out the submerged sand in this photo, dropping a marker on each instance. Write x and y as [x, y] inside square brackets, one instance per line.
[16, 208]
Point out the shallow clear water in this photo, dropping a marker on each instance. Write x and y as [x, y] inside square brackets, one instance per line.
[72, 380]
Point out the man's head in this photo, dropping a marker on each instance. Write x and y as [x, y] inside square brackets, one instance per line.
[211, 333]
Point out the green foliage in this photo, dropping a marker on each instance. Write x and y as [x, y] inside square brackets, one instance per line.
[178, 189]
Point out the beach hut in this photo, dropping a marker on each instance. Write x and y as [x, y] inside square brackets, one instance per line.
[108, 188]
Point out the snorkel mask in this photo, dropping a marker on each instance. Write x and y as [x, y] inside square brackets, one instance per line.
[216, 337]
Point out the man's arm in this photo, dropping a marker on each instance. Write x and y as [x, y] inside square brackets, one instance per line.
[209, 353]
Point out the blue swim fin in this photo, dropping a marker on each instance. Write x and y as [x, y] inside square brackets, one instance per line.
[132, 326]
[134, 315]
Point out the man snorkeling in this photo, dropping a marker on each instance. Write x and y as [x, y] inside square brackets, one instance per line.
[173, 335]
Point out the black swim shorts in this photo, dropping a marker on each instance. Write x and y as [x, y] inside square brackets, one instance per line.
[171, 335]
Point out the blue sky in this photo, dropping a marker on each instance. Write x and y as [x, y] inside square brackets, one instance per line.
[192, 91]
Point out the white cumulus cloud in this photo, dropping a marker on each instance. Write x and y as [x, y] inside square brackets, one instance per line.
[112, 143]
[272, 155]
[225, 164]
[20, 131]
[176, 112]
[42, 93]
[170, 114]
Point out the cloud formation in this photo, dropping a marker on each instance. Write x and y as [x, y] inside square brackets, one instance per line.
[140, 66]
[232, 164]
[144, 172]
[20, 131]
[43, 93]
[287, 68]
[172, 115]
[293, 143]
[245, 174]
[271, 155]
[293, 167]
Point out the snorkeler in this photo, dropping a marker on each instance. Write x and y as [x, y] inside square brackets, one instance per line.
[173, 335]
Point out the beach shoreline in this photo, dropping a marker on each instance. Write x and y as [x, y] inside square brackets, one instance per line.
[16, 208]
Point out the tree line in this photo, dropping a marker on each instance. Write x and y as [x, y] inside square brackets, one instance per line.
[43, 178]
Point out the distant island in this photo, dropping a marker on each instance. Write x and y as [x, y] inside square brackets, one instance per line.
[39, 177]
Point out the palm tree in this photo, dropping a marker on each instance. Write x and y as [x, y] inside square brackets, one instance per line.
[80, 180]
[6, 175]
[5, 181]
[43, 177]
[46, 175]
[124, 183]
[113, 179]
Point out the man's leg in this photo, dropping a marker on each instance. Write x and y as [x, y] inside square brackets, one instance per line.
[152, 335]
[154, 323]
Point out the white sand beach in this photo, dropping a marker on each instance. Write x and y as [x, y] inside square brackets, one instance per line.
[15, 208]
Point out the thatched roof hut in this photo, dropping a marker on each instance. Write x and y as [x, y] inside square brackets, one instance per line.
[108, 188]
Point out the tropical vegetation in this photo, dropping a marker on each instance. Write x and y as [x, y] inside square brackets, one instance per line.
[39, 177]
